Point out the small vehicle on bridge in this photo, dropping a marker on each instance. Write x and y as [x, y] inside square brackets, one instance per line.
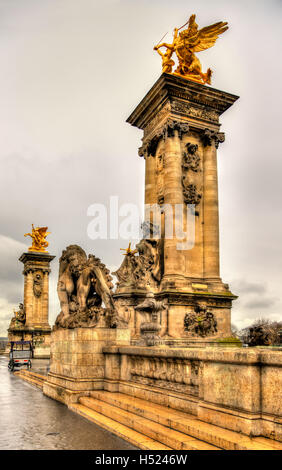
[21, 353]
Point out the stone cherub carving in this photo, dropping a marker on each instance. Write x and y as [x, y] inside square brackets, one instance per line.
[38, 236]
[18, 318]
[201, 322]
[185, 44]
[143, 270]
[84, 284]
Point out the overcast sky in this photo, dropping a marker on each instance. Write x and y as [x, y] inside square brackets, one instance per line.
[73, 71]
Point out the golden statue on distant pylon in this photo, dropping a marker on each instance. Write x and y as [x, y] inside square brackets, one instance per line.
[185, 44]
[38, 236]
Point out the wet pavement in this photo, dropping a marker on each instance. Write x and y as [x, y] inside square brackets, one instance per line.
[29, 420]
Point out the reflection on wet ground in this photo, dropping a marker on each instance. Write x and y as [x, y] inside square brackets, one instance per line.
[30, 420]
[42, 366]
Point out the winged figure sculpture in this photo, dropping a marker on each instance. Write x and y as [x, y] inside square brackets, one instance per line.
[185, 44]
[38, 236]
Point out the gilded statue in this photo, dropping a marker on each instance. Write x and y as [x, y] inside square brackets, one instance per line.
[39, 242]
[185, 44]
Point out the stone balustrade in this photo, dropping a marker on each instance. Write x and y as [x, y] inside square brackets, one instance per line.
[236, 389]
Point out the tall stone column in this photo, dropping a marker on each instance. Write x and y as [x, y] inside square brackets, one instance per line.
[36, 327]
[150, 186]
[36, 288]
[180, 121]
[174, 262]
[211, 217]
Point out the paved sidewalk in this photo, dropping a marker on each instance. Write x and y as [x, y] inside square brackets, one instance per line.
[29, 420]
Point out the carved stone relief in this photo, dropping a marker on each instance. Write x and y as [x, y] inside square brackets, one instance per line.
[173, 374]
[201, 322]
[191, 165]
[191, 159]
[192, 111]
[37, 283]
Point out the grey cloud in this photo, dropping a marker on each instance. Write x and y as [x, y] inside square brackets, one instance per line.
[245, 287]
[260, 304]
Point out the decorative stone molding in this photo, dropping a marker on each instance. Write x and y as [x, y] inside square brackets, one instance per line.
[149, 146]
[208, 137]
[173, 125]
[173, 91]
[180, 375]
[187, 110]
[33, 268]
[161, 115]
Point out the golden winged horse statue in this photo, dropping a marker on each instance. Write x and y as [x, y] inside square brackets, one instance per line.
[38, 236]
[185, 44]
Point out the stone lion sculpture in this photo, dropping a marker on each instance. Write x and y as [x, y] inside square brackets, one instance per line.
[85, 291]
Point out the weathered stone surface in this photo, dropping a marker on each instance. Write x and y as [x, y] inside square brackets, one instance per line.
[84, 284]
[235, 389]
[77, 361]
[181, 136]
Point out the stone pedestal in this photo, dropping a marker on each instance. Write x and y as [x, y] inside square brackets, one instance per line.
[36, 327]
[180, 121]
[77, 363]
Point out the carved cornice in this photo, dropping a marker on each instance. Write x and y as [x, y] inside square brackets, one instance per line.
[45, 258]
[204, 102]
[32, 268]
[209, 137]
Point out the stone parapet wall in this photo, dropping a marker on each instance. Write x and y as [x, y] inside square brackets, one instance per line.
[237, 389]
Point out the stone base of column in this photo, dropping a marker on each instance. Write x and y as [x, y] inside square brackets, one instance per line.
[77, 364]
[173, 319]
